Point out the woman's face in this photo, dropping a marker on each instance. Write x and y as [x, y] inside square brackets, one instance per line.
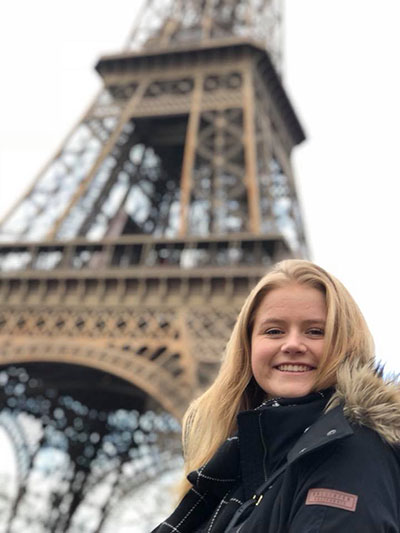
[287, 340]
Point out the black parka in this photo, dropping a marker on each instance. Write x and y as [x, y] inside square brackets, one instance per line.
[321, 471]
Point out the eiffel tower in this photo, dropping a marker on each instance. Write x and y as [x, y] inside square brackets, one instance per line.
[124, 265]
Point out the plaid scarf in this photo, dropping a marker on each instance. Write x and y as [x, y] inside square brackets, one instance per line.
[214, 498]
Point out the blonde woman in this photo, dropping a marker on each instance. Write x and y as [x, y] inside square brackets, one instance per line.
[299, 432]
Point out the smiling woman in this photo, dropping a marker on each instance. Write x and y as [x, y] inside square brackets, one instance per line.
[299, 432]
[287, 342]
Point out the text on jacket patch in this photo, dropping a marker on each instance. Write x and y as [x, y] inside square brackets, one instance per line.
[332, 498]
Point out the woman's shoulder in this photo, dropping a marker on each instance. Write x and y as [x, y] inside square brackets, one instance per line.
[366, 409]
[356, 464]
[370, 402]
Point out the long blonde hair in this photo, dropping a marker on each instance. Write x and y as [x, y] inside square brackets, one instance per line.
[211, 418]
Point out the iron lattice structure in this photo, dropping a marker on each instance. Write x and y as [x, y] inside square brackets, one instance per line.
[132, 251]
[171, 23]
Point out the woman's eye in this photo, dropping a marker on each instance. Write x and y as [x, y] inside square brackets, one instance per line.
[316, 332]
[274, 331]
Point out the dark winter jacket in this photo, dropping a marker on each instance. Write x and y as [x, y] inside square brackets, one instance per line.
[323, 468]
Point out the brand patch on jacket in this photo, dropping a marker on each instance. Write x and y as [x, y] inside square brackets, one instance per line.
[332, 498]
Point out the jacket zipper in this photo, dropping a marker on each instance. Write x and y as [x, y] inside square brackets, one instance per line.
[254, 501]
[265, 455]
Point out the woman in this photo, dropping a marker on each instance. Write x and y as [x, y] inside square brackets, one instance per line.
[299, 432]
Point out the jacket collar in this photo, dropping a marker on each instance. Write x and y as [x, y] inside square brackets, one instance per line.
[329, 428]
[368, 399]
[267, 434]
[362, 397]
[221, 472]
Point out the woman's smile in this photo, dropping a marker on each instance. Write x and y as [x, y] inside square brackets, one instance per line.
[287, 367]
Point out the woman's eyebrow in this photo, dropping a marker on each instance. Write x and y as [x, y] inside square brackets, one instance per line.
[272, 320]
[309, 321]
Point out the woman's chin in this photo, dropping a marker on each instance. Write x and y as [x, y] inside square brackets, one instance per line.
[291, 388]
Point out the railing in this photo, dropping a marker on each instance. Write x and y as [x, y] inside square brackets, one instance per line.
[133, 252]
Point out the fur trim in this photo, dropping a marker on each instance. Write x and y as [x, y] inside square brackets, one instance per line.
[369, 400]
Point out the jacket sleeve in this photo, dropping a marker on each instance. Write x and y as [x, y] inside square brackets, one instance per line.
[355, 489]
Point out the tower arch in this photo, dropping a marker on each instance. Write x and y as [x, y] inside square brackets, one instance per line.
[153, 368]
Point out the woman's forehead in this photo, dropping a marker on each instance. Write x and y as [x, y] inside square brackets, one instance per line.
[298, 299]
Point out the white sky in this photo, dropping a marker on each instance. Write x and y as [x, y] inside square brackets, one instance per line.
[341, 73]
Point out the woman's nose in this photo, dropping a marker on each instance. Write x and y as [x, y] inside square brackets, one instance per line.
[294, 344]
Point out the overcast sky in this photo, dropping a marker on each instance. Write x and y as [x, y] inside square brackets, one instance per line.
[341, 73]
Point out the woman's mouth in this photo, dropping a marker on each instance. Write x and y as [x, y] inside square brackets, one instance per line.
[294, 368]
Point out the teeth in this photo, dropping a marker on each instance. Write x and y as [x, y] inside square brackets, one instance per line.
[294, 368]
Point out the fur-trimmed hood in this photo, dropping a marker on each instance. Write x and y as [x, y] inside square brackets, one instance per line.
[369, 399]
